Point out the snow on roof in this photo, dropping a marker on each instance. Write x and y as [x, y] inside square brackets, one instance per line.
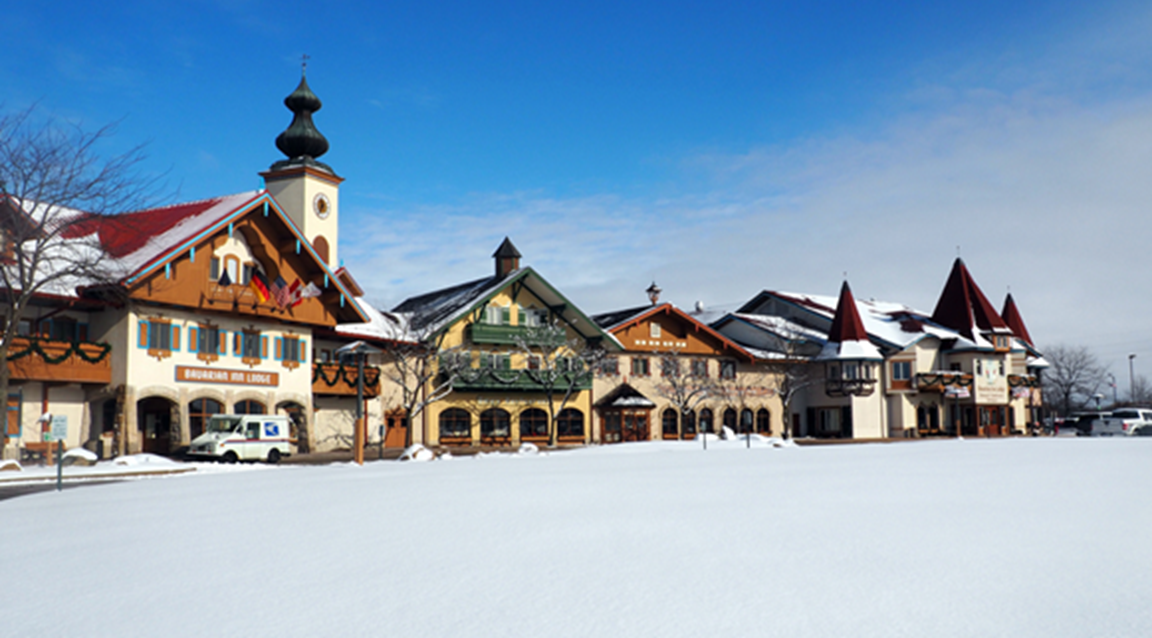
[895, 325]
[384, 326]
[128, 242]
[847, 338]
[431, 311]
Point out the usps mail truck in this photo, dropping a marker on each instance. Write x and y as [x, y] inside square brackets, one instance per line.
[244, 437]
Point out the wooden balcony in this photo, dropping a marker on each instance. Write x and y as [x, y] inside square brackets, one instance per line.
[36, 359]
[939, 381]
[340, 379]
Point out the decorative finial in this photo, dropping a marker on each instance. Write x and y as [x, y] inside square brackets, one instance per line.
[301, 142]
[654, 293]
[304, 64]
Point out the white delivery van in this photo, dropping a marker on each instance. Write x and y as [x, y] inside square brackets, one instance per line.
[243, 437]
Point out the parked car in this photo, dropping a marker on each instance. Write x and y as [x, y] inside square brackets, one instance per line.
[1079, 423]
[1124, 422]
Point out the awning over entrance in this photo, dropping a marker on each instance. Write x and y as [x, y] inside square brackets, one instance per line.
[625, 396]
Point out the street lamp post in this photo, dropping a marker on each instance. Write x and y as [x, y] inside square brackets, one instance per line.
[1131, 378]
[360, 350]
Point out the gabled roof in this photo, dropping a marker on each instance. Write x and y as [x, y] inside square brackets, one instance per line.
[625, 396]
[431, 313]
[1012, 317]
[619, 320]
[138, 243]
[847, 338]
[962, 305]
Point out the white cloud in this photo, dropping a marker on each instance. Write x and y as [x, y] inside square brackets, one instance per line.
[1045, 187]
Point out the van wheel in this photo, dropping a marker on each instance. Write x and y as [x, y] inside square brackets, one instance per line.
[273, 456]
[229, 457]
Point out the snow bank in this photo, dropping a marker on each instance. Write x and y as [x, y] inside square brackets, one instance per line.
[144, 459]
[418, 452]
[9, 465]
[974, 538]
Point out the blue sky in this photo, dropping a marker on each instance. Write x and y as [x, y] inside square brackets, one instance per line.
[718, 148]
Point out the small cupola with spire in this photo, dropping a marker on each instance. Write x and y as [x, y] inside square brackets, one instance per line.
[654, 293]
[507, 258]
[307, 189]
[849, 356]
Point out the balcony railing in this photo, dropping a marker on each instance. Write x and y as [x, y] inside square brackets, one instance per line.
[849, 387]
[515, 335]
[340, 379]
[36, 359]
[485, 379]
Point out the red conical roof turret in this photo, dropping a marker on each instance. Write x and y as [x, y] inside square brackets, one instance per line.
[847, 338]
[963, 306]
[1012, 317]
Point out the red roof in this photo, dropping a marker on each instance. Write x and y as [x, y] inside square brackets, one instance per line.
[122, 235]
[846, 323]
[963, 305]
[1015, 321]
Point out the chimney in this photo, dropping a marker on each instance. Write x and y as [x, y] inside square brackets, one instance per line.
[507, 258]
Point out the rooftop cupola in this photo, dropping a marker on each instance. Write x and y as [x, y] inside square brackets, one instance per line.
[301, 141]
[507, 258]
[848, 355]
[654, 293]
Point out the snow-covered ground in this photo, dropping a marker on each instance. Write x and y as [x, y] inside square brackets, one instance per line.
[1025, 537]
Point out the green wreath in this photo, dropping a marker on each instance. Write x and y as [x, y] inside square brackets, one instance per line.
[73, 348]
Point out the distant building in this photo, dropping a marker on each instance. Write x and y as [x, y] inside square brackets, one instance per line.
[677, 377]
[883, 370]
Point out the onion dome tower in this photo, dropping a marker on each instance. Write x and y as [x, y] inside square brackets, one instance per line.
[307, 190]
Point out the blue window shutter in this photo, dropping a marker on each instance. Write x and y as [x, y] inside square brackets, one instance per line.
[222, 345]
[278, 350]
[142, 341]
[174, 338]
[193, 335]
[236, 344]
[303, 351]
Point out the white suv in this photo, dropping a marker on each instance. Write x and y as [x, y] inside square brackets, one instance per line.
[1123, 422]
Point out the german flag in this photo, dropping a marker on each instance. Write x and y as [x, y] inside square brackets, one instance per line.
[259, 285]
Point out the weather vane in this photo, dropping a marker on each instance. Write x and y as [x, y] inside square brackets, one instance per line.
[304, 64]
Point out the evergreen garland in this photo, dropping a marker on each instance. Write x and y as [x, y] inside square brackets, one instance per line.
[346, 374]
[34, 347]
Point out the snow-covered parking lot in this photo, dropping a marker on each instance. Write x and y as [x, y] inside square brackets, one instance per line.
[1023, 537]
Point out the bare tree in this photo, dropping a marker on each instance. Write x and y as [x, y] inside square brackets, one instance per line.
[684, 389]
[790, 369]
[1141, 391]
[422, 372]
[52, 182]
[558, 367]
[1073, 376]
[742, 390]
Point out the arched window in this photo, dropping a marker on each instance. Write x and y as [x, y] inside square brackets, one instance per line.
[730, 419]
[570, 422]
[764, 421]
[455, 424]
[671, 424]
[495, 424]
[320, 244]
[706, 420]
[199, 410]
[248, 406]
[690, 423]
[745, 420]
[533, 423]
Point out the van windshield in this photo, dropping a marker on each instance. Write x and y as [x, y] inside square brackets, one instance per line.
[223, 423]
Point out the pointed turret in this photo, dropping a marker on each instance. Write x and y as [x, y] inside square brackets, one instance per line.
[847, 339]
[964, 308]
[507, 258]
[1012, 317]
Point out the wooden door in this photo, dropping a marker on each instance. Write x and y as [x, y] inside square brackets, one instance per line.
[396, 432]
[635, 426]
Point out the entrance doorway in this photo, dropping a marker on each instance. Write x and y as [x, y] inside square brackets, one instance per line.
[991, 420]
[154, 421]
[396, 429]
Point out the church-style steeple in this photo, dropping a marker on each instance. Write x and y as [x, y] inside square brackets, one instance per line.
[301, 141]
